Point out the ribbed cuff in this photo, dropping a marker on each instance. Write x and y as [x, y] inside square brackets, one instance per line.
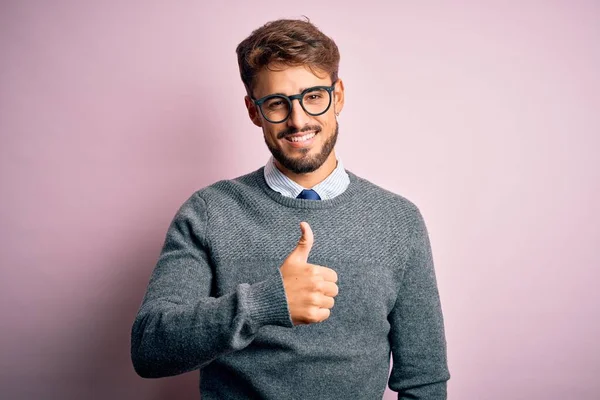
[267, 303]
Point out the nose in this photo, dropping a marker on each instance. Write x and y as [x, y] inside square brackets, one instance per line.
[298, 117]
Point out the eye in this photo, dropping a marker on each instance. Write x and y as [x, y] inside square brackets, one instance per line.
[275, 104]
[314, 95]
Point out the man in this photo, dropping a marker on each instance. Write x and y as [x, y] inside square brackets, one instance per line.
[265, 316]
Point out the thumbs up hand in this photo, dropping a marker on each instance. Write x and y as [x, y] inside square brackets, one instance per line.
[309, 288]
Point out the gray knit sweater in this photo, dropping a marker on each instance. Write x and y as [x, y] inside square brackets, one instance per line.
[216, 301]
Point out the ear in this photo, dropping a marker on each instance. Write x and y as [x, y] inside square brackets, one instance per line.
[253, 112]
[338, 94]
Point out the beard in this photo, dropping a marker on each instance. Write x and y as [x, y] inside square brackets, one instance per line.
[305, 163]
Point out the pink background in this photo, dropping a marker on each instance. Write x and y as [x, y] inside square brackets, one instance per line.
[485, 114]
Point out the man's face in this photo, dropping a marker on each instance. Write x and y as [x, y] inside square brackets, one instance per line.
[302, 143]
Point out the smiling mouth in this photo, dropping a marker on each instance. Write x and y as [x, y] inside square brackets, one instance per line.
[300, 139]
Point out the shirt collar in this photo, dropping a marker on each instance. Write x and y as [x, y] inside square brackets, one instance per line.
[335, 184]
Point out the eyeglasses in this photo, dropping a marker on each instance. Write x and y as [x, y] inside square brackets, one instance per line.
[277, 108]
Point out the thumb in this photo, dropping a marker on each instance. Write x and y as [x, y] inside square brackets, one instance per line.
[305, 243]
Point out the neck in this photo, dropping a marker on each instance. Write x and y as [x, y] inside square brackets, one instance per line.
[311, 179]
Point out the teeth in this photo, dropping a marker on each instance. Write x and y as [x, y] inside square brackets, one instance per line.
[302, 138]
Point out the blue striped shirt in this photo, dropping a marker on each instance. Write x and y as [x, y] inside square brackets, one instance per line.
[335, 184]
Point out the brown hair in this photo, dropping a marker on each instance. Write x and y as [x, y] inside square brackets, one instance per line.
[287, 42]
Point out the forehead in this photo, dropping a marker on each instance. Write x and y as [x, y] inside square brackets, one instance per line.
[288, 80]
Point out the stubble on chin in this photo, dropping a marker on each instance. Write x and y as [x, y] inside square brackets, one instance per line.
[305, 163]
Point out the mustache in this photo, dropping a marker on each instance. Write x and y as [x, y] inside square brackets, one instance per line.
[292, 131]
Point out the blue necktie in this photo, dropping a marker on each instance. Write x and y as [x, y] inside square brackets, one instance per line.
[308, 195]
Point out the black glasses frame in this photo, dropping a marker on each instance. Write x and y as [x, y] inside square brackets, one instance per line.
[258, 103]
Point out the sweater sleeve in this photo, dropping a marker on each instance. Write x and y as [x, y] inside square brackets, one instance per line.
[417, 338]
[179, 326]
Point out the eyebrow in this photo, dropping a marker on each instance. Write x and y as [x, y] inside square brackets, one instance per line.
[285, 95]
[300, 91]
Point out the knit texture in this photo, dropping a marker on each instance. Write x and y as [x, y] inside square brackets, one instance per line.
[216, 300]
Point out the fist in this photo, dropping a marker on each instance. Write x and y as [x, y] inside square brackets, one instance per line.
[309, 288]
